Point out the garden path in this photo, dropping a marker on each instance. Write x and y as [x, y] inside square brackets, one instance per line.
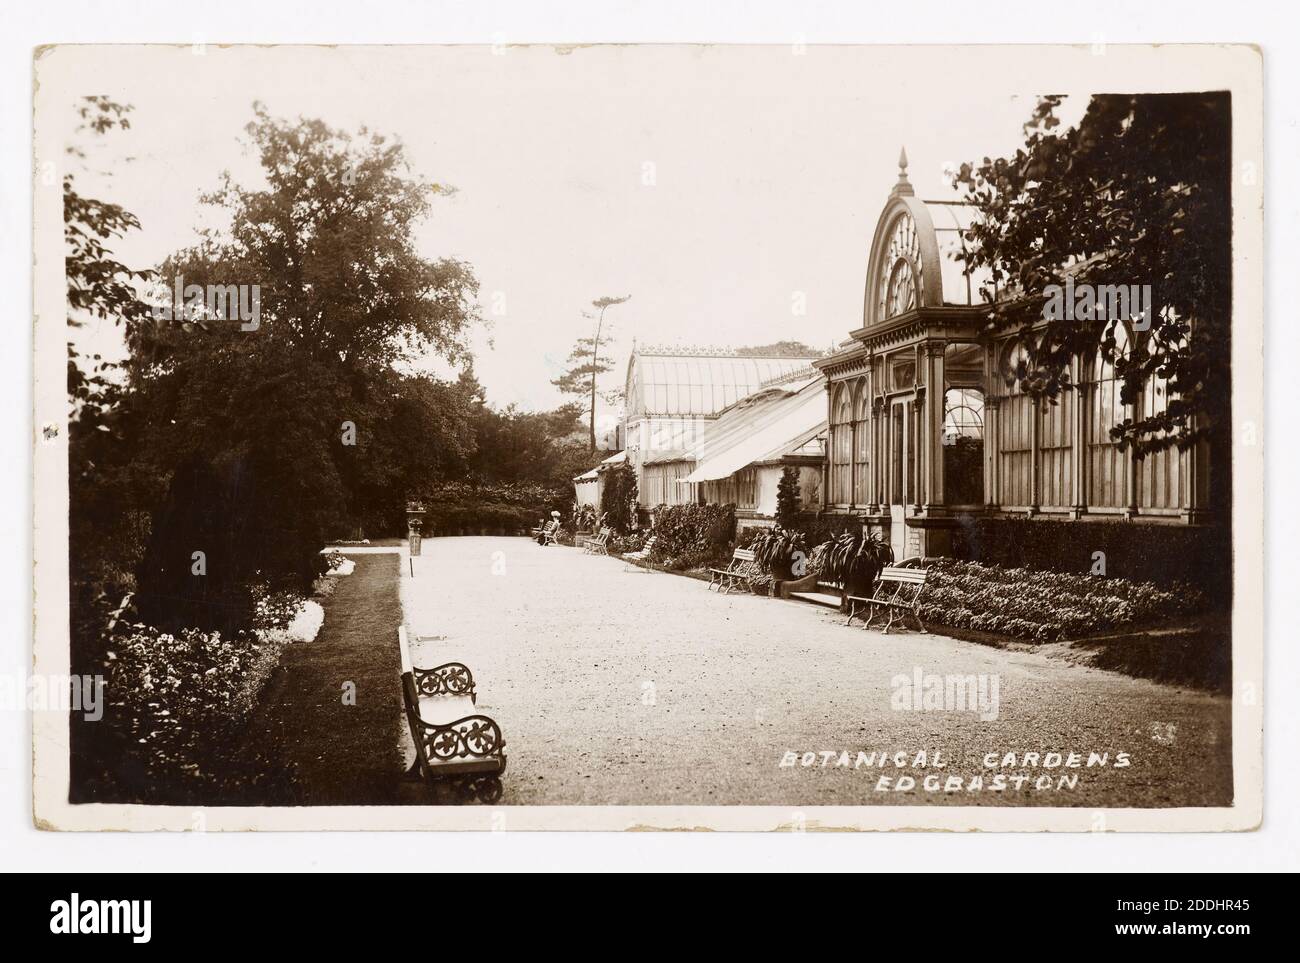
[622, 687]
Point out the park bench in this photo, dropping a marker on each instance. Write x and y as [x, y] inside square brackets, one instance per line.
[451, 739]
[597, 544]
[734, 574]
[643, 555]
[897, 591]
[551, 530]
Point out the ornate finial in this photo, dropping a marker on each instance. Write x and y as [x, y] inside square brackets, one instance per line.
[904, 186]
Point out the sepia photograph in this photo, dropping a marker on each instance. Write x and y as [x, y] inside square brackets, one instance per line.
[617, 436]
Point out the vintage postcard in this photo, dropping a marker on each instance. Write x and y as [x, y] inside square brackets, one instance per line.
[617, 437]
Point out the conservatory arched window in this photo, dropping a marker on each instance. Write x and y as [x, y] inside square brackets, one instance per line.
[842, 447]
[861, 444]
[900, 270]
[963, 446]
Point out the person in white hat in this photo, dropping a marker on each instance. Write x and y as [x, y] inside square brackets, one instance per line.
[550, 527]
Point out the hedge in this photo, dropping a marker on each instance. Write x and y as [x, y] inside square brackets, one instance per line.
[1164, 554]
[693, 536]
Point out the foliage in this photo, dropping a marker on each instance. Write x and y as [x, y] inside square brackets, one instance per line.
[1167, 555]
[259, 413]
[108, 526]
[1138, 192]
[471, 507]
[618, 500]
[852, 559]
[817, 560]
[331, 240]
[775, 550]
[175, 703]
[787, 498]
[693, 536]
[1044, 606]
[275, 609]
[512, 446]
[632, 542]
[584, 518]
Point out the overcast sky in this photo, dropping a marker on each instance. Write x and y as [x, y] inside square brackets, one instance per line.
[715, 185]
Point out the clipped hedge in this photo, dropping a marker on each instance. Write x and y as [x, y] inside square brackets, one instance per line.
[468, 508]
[693, 536]
[488, 518]
[1165, 554]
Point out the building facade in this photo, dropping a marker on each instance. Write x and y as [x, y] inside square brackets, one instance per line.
[751, 445]
[924, 432]
[672, 396]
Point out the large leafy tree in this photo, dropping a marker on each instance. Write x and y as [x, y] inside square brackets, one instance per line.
[107, 483]
[1138, 192]
[307, 412]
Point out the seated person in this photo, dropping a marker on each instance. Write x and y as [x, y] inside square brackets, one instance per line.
[549, 528]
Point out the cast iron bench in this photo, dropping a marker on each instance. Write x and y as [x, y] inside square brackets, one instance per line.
[451, 739]
[897, 591]
[643, 555]
[730, 577]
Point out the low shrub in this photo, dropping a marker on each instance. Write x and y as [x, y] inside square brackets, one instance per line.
[693, 536]
[175, 702]
[1044, 606]
[324, 586]
[1167, 555]
[618, 544]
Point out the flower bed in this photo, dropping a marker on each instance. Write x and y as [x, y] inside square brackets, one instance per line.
[286, 614]
[174, 699]
[1043, 606]
[339, 564]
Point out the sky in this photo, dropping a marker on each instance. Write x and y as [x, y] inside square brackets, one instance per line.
[732, 192]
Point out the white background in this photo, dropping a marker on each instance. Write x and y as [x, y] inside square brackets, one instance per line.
[1276, 846]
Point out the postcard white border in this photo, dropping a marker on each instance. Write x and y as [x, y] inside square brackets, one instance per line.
[1128, 68]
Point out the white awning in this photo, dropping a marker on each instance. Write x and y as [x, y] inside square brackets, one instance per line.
[803, 413]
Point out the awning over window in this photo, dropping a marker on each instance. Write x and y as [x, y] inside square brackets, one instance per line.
[761, 433]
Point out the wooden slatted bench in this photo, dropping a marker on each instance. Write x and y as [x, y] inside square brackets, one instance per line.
[597, 544]
[733, 575]
[551, 530]
[643, 555]
[451, 739]
[897, 591]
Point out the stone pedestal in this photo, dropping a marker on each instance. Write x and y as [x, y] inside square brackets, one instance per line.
[414, 524]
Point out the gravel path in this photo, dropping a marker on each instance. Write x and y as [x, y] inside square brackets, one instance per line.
[621, 687]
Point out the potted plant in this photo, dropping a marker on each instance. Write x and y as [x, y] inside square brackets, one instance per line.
[854, 560]
[774, 550]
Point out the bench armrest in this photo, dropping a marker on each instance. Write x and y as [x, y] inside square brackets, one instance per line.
[451, 678]
[471, 736]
